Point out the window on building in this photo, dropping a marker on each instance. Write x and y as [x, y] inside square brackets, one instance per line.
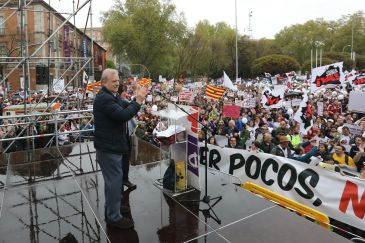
[2, 25]
[2, 50]
[39, 20]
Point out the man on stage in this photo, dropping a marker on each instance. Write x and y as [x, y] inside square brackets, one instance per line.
[111, 142]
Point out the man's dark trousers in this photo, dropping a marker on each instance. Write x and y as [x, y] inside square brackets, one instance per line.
[111, 168]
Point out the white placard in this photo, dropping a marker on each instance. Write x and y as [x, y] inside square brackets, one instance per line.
[354, 129]
[22, 82]
[356, 101]
[222, 141]
[240, 93]
[149, 98]
[296, 102]
[320, 108]
[58, 85]
[198, 84]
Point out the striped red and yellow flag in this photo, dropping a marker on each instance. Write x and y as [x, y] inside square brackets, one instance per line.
[214, 92]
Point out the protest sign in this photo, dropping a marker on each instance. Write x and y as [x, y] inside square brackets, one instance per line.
[356, 101]
[328, 76]
[58, 85]
[355, 130]
[186, 96]
[174, 98]
[320, 108]
[149, 98]
[222, 141]
[304, 115]
[272, 98]
[296, 102]
[340, 197]
[231, 111]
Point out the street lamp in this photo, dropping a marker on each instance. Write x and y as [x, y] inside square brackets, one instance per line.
[135, 64]
[343, 49]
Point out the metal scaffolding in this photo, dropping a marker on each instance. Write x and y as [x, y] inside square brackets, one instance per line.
[57, 161]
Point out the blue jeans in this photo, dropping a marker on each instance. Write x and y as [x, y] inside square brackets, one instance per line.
[111, 168]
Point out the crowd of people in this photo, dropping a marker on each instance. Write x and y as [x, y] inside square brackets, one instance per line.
[260, 129]
[275, 131]
[43, 126]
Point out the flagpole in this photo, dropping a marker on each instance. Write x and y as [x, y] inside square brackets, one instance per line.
[235, 8]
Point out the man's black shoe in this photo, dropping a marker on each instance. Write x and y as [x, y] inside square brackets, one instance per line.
[129, 185]
[124, 209]
[124, 223]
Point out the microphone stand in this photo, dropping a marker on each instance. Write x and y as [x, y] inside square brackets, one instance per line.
[206, 199]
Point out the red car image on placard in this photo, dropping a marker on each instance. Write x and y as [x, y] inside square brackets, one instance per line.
[271, 100]
[359, 80]
[330, 76]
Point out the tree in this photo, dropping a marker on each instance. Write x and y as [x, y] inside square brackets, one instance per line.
[343, 33]
[110, 64]
[274, 64]
[298, 40]
[208, 50]
[348, 64]
[249, 50]
[306, 66]
[360, 62]
[145, 32]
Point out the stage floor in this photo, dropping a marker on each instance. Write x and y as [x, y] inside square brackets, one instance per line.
[72, 210]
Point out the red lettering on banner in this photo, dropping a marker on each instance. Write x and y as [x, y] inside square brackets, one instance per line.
[328, 80]
[350, 193]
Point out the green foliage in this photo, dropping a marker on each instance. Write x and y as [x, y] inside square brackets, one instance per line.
[274, 64]
[208, 50]
[298, 40]
[145, 32]
[249, 50]
[332, 36]
[360, 62]
[348, 64]
[110, 64]
[152, 33]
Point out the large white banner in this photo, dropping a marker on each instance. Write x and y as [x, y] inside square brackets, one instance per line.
[328, 76]
[339, 197]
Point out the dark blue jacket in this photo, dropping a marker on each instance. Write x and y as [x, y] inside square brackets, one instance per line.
[307, 157]
[110, 120]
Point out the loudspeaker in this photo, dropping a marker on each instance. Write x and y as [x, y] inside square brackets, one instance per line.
[42, 75]
[45, 74]
[38, 74]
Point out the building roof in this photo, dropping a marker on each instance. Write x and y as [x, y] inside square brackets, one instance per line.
[55, 12]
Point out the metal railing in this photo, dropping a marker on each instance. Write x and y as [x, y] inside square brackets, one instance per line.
[55, 121]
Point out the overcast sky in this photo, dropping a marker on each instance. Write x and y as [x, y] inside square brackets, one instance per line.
[268, 18]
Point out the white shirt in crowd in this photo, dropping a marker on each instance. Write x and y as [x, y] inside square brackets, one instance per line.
[345, 141]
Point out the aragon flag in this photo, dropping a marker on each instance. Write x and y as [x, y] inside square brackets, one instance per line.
[214, 92]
